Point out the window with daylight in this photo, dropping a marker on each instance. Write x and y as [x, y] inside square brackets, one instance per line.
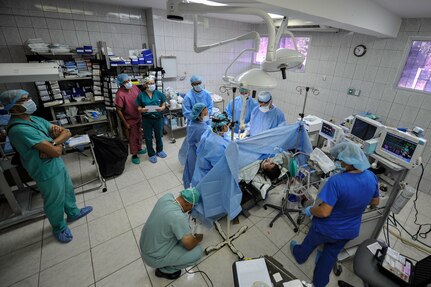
[285, 42]
[416, 74]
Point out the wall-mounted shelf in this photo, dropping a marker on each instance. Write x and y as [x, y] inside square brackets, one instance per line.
[79, 103]
[75, 79]
[85, 124]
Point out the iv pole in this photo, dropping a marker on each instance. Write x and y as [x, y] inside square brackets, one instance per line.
[300, 89]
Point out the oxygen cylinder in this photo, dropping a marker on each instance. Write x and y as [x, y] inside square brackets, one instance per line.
[403, 197]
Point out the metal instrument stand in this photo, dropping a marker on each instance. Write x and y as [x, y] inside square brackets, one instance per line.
[284, 210]
[227, 238]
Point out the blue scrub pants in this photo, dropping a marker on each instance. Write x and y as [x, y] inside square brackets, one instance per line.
[150, 125]
[178, 258]
[326, 261]
[58, 198]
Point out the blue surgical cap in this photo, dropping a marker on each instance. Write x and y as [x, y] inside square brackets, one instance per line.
[121, 78]
[264, 96]
[191, 195]
[219, 121]
[351, 154]
[9, 98]
[195, 78]
[197, 110]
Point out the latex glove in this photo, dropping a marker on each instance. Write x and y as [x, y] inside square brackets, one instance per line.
[243, 135]
[308, 211]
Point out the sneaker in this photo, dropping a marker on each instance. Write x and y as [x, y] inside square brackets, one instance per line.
[161, 154]
[83, 212]
[65, 236]
[170, 276]
[136, 160]
[142, 151]
[293, 243]
[153, 159]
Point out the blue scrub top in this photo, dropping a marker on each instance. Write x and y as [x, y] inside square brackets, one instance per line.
[260, 121]
[164, 229]
[24, 136]
[144, 100]
[249, 107]
[210, 150]
[348, 194]
[193, 98]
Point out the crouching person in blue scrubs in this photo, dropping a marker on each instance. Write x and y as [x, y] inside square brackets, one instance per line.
[39, 144]
[337, 219]
[167, 243]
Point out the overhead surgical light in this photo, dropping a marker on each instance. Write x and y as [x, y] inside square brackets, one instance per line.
[256, 79]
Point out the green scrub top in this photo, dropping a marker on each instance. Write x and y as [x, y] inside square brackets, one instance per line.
[144, 100]
[165, 227]
[24, 136]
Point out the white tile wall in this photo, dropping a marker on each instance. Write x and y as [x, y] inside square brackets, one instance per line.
[176, 39]
[374, 74]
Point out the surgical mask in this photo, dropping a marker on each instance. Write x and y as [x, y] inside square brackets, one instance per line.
[152, 87]
[339, 167]
[197, 88]
[128, 85]
[29, 106]
[264, 109]
[206, 118]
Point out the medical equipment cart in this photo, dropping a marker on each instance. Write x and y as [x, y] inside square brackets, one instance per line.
[174, 120]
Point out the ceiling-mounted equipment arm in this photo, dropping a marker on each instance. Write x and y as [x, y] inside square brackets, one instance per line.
[176, 9]
[247, 36]
[280, 31]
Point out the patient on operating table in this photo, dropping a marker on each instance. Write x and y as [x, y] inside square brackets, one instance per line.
[262, 173]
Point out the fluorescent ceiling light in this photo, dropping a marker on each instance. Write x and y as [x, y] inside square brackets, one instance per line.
[275, 16]
[207, 2]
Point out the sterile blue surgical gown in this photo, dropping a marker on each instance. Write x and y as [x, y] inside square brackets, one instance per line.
[210, 150]
[194, 134]
[249, 106]
[260, 121]
[193, 98]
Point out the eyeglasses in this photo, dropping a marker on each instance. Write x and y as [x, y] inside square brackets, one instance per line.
[126, 81]
[196, 84]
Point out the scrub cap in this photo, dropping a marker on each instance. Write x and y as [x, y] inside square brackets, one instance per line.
[243, 90]
[148, 79]
[219, 121]
[264, 96]
[351, 154]
[121, 78]
[195, 78]
[191, 195]
[197, 110]
[9, 98]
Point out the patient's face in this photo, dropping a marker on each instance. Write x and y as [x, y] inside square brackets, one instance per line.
[267, 164]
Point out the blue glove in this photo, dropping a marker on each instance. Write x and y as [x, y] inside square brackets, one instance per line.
[308, 211]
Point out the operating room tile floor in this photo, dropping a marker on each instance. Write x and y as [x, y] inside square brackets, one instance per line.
[105, 248]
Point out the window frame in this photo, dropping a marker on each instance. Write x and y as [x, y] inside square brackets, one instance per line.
[285, 36]
[404, 61]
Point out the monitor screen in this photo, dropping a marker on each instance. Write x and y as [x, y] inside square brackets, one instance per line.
[328, 130]
[363, 130]
[399, 147]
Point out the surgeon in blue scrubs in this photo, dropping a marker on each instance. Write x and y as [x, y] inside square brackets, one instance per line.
[337, 219]
[194, 133]
[195, 95]
[249, 107]
[211, 147]
[264, 117]
[39, 145]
